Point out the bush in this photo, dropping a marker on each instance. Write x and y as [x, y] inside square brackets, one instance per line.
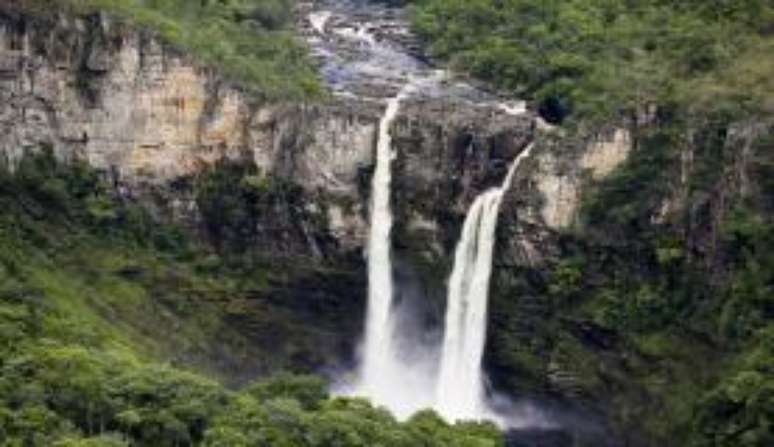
[309, 391]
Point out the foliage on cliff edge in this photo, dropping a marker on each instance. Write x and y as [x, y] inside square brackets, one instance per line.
[601, 58]
[251, 41]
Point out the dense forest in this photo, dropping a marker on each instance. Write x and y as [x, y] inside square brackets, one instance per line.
[97, 293]
[601, 59]
[93, 291]
[700, 309]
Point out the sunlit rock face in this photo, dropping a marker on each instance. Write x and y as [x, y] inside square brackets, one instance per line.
[606, 152]
[120, 100]
[560, 190]
[149, 117]
[152, 113]
[560, 173]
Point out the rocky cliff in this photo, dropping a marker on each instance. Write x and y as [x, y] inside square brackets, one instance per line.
[153, 120]
[165, 130]
[630, 262]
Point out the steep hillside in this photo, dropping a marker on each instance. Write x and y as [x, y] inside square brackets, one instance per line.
[646, 293]
[105, 311]
[185, 210]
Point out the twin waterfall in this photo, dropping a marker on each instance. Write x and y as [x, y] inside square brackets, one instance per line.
[454, 388]
[460, 392]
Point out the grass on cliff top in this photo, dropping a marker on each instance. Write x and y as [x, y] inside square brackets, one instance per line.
[251, 41]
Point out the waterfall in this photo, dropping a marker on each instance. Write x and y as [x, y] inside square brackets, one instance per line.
[380, 369]
[460, 387]
[403, 364]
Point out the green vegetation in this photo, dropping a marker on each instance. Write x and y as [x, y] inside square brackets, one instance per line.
[663, 312]
[251, 41]
[667, 305]
[603, 58]
[94, 290]
[235, 199]
[66, 235]
[67, 242]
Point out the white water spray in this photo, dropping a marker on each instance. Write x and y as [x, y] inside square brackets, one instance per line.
[318, 20]
[380, 371]
[514, 107]
[460, 387]
[360, 34]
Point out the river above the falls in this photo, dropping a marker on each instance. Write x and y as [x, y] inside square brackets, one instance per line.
[367, 54]
[366, 50]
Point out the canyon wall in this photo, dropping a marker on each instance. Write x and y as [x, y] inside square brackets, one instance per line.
[153, 121]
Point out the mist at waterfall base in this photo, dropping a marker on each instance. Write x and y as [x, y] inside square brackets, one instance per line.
[406, 363]
[410, 382]
[407, 382]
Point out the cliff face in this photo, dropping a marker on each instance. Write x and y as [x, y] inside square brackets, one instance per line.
[144, 113]
[156, 123]
[95, 90]
[148, 116]
[612, 248]
[153, 121]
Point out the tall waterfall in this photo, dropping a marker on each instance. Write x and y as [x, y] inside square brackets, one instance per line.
[380, 369]
[405, 364]
[460, 387]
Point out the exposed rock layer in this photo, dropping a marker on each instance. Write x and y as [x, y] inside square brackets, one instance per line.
[153, 120]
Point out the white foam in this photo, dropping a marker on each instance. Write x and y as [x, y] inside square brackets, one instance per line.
[514, 107]
[460, 389]
[318, 20]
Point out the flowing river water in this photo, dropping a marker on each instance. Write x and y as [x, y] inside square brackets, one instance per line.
[366, 51]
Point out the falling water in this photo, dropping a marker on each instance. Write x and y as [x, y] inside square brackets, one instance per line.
[460, 388]
[397, 370]
[379, 368]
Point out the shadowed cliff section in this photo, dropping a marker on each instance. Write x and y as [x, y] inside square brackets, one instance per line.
[648, 304]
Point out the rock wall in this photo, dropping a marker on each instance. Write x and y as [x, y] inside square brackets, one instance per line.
[153, 119]
[95, 89]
